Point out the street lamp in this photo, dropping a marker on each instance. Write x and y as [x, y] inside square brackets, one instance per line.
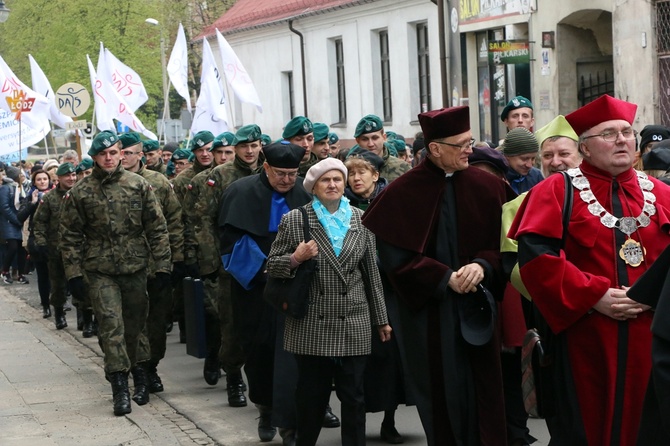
[166, 86]
[4, 12]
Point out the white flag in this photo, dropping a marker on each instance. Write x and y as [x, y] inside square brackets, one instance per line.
[27, 106]
[118, 108]
[102, 106]
[237, 76]
[177, 67]
[126, 81]
[210, 110]
[41, 85]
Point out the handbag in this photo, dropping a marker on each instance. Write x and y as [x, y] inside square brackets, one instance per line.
[194, 317]
[290, 295]
[538, 343]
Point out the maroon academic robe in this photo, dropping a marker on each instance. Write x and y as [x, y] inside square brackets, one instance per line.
[602, 366]
[457, 386]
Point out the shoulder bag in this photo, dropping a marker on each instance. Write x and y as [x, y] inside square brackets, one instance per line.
[290, 296]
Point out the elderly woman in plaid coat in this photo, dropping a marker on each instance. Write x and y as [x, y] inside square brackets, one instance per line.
[332, 341]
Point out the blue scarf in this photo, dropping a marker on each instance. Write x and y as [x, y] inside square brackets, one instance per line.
[336, 225]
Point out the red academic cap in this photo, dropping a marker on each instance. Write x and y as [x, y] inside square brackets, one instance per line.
[445, 122]
[605, 108]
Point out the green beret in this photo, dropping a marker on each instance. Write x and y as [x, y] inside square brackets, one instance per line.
[150, 145]
[399, 145]
[65, 169]
[248, 133]
[369, 124]
[391, 148]
[169, 170]
[266, 139]
[297, 126]
[320, 131]
[86, 163]
[333, 138]
[517, 102]
[129, 139]
[103, 140]
[181, 154]
[225, 139]
[191, 157]
[201, 139]
[391, 135]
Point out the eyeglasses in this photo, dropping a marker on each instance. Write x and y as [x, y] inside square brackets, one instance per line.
[281, 174]
[612, 136]
[182, 163]
[465, 146]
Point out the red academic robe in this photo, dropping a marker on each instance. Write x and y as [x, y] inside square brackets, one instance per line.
[604, 364]
[458, 387]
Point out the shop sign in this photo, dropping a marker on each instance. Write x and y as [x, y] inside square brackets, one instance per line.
[509, 52]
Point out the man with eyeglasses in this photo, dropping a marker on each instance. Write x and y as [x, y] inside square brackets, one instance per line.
[152, 342]
[520, 149]
[602, 343]
[181, 159]
[370, 136]
[442, 249]
[251, 210]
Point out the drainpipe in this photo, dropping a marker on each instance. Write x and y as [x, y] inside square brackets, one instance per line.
[443, 53]
[302, 62]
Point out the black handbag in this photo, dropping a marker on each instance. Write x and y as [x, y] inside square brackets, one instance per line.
[290, 295]
[538, 345]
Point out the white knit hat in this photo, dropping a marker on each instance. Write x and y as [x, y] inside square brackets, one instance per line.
[316, 171]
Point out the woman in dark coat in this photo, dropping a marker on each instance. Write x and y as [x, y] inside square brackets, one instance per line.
[332, 341]
[41, 183]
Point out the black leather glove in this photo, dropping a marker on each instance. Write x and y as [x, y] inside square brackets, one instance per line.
[178, 272]
[192, 270]
[163, 281]
[77, 288]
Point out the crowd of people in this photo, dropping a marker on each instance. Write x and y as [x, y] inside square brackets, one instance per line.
[433, 261]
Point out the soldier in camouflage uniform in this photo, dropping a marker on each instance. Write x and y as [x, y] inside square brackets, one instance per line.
[200, 145]
[152, 341]
[46, 223]
[300, 131]
[154, 156]
[247, 161]
[111, 225]
[321, 148]
[84, 169]
[200, 244]
[180, 161]
[370, 135]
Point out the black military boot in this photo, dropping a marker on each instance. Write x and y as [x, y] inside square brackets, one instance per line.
[212, 369]
[154, 382]
[120, 393]
[59, 316]
[235, 387]
[87, 316]
[80, 319]
[266, 431]
[141, 393]
[46, 311]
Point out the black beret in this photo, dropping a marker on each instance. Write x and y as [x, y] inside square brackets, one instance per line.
[283, 154]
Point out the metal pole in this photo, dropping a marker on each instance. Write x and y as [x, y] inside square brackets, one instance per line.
[443, 53]
[166, 89]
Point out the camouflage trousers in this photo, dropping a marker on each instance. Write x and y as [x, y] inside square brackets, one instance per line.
[57, 280]
[120, 304]
[153, 337]
[218, 295]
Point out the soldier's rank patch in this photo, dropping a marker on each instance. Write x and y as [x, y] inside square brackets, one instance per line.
[211, 182]
[135, 205]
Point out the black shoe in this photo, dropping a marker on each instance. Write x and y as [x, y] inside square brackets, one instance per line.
[120, 393]
[266, 431]
[287, 436]
[154, 382]
[235, 390]
[87, 316]
[141, 393]
[390, 435]
[168, 327]
[46, 312]
[212, 369]
[59, 316]
[329, 418]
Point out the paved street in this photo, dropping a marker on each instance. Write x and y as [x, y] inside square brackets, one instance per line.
[53, 392]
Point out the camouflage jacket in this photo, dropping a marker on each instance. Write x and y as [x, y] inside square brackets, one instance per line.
[180, 182]
[393, 167]
[305, 165]
[112, 223]
[171, 210]
[160, 168]
[46, 220]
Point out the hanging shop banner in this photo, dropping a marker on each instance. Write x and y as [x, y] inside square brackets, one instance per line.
[508, 52]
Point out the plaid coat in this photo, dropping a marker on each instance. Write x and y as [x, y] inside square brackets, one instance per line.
[346, 297]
